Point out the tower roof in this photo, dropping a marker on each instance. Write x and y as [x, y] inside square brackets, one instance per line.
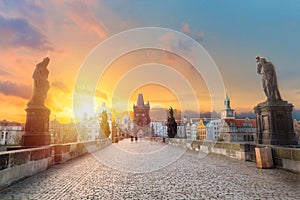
[227, 102]
[140, 101]
[226, 97]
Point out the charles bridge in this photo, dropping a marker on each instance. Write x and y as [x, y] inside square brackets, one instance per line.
[147, 169]
[154, 167]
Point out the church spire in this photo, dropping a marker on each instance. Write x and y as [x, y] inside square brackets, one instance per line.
[228, 112]
[227, 102]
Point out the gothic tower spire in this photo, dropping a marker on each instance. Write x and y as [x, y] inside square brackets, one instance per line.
[228, 112]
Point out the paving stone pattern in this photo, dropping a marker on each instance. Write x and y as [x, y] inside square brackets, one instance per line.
[188, 177]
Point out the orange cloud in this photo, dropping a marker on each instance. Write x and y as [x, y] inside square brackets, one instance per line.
[185, 28]
[60, 85]
[87, 19]
[198, 36]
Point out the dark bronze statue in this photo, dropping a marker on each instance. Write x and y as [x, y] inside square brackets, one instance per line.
[269, 79]
[41, 83]
[172, 125]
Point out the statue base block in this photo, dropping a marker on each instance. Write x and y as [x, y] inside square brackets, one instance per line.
[275, 123]
[36, 127]
[35, 140]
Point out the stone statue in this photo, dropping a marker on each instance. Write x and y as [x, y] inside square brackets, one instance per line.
[41, 83]
[269, 79]
[104, 124]
[172, 125]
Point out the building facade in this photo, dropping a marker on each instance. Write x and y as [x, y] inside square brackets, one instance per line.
[62, 133]
[231, 129]
[297, 129]
[238, 130]
[201, 129]
[212, 130]
[194, 131]
[127, 124]
[11, 132]
[159, 128]
[92, 128]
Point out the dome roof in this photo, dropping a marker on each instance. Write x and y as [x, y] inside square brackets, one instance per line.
[103, 108]
[125, 118]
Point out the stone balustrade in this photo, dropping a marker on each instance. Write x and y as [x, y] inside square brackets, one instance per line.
[283, 157]
[18, 164]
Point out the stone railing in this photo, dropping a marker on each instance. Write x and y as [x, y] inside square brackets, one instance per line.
[234, 150]
[18, 164]
[283, 157]
[286, 158]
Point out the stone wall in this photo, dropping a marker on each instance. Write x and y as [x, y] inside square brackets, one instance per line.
[18, 164]
[234, 150]
[283, 157]
[286, 158]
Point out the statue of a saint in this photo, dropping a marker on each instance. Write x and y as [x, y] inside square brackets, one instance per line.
[41, 83]
[172, 125]
[104, 124]
[269, 79]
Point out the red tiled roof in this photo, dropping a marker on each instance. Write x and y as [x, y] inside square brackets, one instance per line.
[239, 122]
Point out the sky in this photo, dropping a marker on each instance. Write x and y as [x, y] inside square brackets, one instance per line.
[232, 32]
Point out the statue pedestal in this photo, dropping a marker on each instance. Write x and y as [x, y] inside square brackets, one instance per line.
[275, 123]
[36, 127]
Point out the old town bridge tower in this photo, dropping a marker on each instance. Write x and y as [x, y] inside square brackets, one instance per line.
[141, 117]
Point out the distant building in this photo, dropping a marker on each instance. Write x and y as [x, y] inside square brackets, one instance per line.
[11, 132]
[238, 130]
[184, 122]
[62, 133]
[235, 130]
[212, 130]
[228, 112]
[92, 128]
[127, 124]
[297, 129]
[193, 132]
[229, 128]
[181, 130]
[188, 130]
[201, 129]
[160, 128]
[141, 117]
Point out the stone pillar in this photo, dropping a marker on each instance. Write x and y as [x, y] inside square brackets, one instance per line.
[275, 123]
[264, 158]
[114, 135]
[36, 127]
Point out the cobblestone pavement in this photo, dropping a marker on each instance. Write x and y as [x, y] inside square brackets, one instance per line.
[186, 177]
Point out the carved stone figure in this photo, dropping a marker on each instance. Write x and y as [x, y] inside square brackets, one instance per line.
[41, 83]
[37, 117]
[269, 79]
[273, 117]
[104, 124]
[172, 125]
